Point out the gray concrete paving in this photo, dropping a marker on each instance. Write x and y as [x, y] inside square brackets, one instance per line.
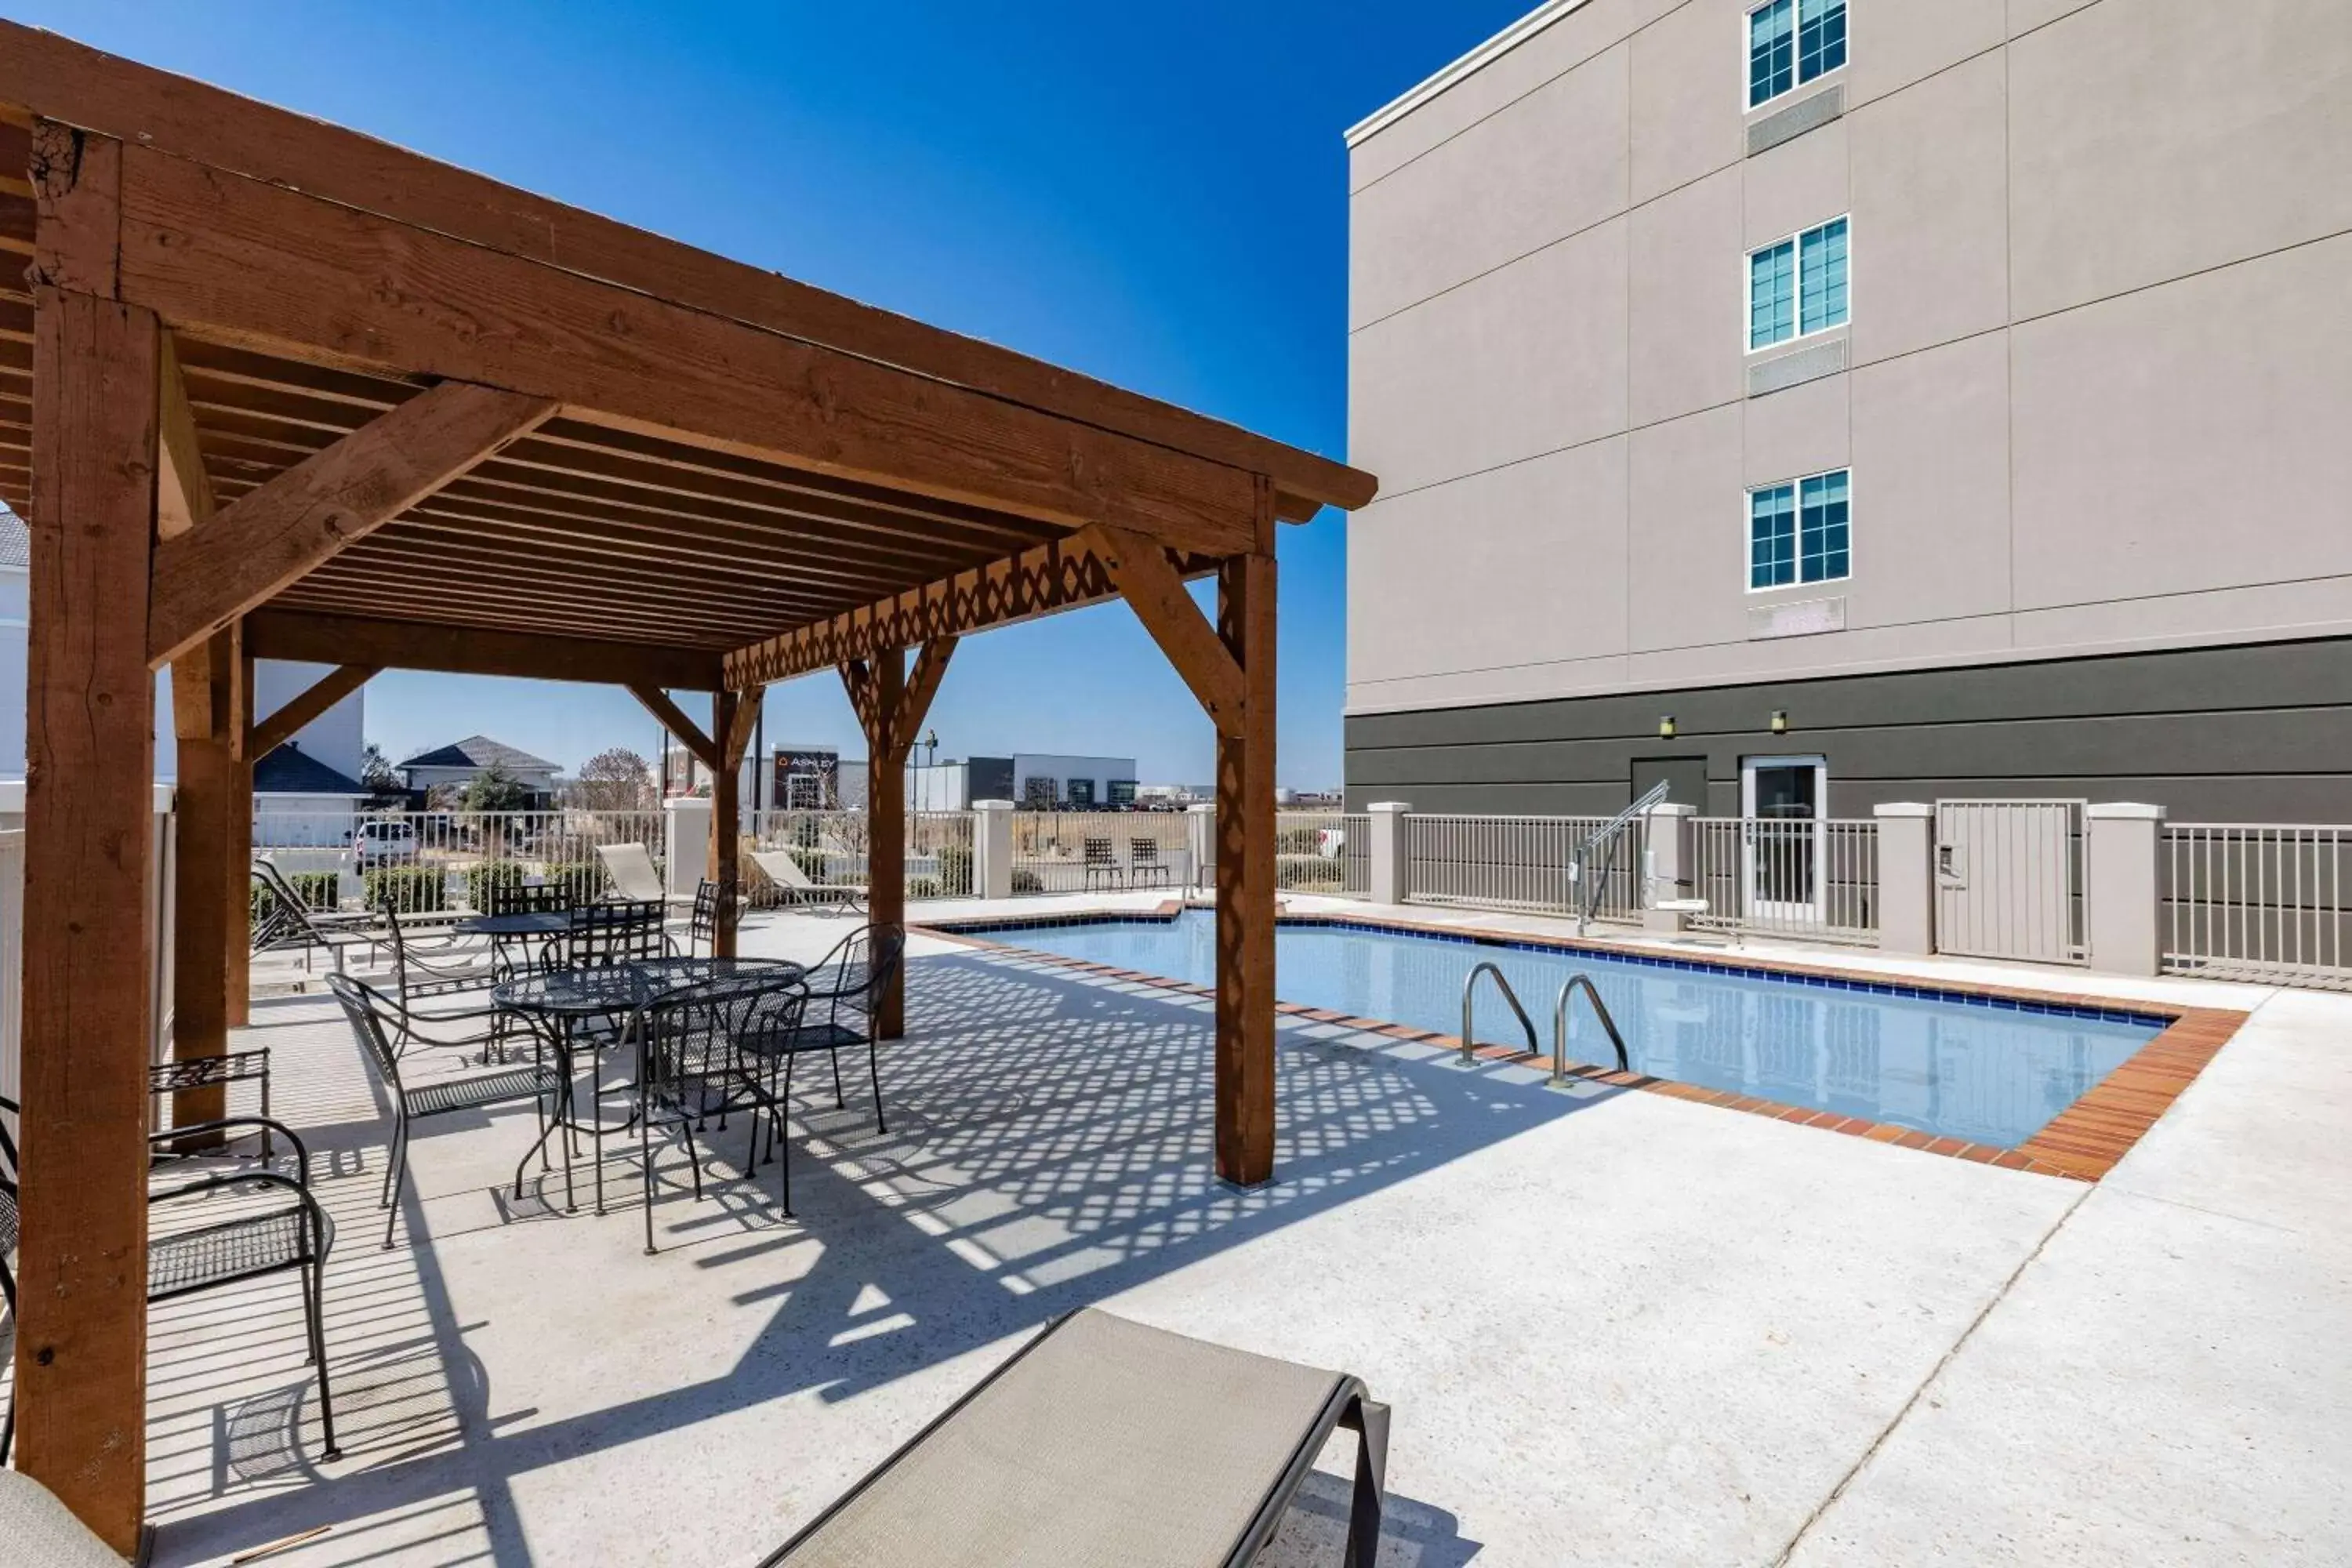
[1616, 1328]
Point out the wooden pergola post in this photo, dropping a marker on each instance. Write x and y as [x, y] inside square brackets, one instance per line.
[891, 704]
[208, 883]
[1245, 862]
[237, 870]
[82, 1339]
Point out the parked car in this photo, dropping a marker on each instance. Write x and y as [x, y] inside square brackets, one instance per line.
[390, 842]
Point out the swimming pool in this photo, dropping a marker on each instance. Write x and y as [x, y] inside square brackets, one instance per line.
[1985, 1069]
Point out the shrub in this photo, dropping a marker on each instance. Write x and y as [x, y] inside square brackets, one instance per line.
[485, 879]
[584, 879]
[1296, 841]
[1316, 876]
[411, 889]
[316, 889]
[814, 862]
[1027, 881]
[955, 870]
[923, 887]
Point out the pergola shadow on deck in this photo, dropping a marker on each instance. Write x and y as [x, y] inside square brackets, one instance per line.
[273, 389]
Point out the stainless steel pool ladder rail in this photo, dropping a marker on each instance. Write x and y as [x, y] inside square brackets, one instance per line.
[1583, 982]
[1469, 999]
[1580, 981]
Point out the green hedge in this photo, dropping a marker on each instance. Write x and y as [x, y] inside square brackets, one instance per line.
[585, 878]
[318, 890]
[484, 878]
[923, 887]
[955, 871]
[411, 889]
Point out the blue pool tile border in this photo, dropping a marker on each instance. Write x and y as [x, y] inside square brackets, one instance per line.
[991, 926]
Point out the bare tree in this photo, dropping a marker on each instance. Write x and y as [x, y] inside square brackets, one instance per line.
[616, 779]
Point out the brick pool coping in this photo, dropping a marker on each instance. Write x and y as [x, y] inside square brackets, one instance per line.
[2082, 1142]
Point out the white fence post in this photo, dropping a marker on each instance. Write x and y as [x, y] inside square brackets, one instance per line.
[991, 849]
[1391, 882]
[1907, 877]
[685, 846]
[2126, 907]
[1201, 842]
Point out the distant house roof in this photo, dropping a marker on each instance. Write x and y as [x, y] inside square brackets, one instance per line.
[480, 753]
[16, 542]
[287, 771]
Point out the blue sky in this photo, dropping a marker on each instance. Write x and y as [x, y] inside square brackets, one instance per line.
[1153, 194]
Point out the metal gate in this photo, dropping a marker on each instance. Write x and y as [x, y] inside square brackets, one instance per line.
[2009, 879]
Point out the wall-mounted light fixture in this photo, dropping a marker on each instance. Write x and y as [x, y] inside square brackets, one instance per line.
[1780, 720]
[1665, 726]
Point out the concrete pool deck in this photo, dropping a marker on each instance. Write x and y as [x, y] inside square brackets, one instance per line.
[1616, 1328]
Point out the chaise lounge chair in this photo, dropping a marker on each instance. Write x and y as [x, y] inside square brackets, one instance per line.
[793, 883]
[634, 874]
[1103, 1441]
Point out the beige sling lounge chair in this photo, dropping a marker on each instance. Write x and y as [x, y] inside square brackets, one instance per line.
[632, 868]
[1103, 1441]
[793, 883]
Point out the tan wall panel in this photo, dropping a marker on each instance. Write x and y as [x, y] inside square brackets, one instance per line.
[1689, 96]
[1891, 46]
[1687, 334]
[1931, 486]
[1930, 238]
[1687, 557]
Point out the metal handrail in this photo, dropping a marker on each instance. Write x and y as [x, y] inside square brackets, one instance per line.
[1611, 833]
[1470, 996]
[1559, 1028]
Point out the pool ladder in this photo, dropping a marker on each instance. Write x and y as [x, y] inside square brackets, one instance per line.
[1580, 981]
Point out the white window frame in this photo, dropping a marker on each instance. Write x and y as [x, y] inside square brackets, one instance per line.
[1794, 238]
[1748, 536]
[1746, 35]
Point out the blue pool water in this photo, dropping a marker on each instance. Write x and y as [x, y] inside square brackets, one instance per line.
[1988, 1072]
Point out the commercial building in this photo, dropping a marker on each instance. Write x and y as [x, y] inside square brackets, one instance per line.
[1033, 779]
[1813, 404]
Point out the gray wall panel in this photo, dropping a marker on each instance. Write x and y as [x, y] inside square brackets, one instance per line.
[2248, 734]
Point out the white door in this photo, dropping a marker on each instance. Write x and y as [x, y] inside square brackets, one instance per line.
[1782, 801]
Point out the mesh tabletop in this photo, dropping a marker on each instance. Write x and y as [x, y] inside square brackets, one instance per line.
[601, 989]
[541, 923]
[1110, 1442]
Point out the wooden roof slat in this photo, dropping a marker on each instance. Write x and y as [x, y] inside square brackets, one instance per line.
[424, 644]
[56, 77]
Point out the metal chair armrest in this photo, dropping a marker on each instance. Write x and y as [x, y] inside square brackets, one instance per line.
[301, 1151]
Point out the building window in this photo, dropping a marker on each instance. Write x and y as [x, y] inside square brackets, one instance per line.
[1082, 792]
[1791, 42]
[1798, 286]
[1797, 532]
[1122, 792]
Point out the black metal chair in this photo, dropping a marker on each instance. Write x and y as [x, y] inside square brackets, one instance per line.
[1101, 863]
[528, 898]
[702, 931]
[687, 1051]
[1143, 861]
[416, 977]
[367, 1010]
[834, 1011]
[201, 1072]
[619, 933]
[249, 1245]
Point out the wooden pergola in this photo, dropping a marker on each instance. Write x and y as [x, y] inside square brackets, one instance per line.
[273, 389]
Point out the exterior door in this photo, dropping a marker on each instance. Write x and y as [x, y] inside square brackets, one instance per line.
[2007, 879]
[1782, 799]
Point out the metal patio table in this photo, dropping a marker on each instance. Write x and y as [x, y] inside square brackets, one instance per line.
[566, 1006]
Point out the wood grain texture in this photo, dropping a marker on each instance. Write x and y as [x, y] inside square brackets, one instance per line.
[55, 76]
[184, 495]
[288, 526]
[915, 700]
[1061, 575]
[746, 725]
[1153, 588]
[203, 876]
[282, 725]
[685, 731]
[81, 1340]
[886, 828]
[1245, 881]
[272, 270]
[77, 181]
[462, 650]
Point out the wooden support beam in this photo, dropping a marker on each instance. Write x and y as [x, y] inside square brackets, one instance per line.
[278, 270]
[1154, 589]
[746, 725]
[207, 884]
[274, 535]
[1245, 878]
[77, 181]
[886, 823]
[317, 638]
[673, 719]
[238, 890]
[184, 491]
[1062, 575]
[922, 685]
[281, 726]
[55, 76]
[724, 863]
[81, 1335]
